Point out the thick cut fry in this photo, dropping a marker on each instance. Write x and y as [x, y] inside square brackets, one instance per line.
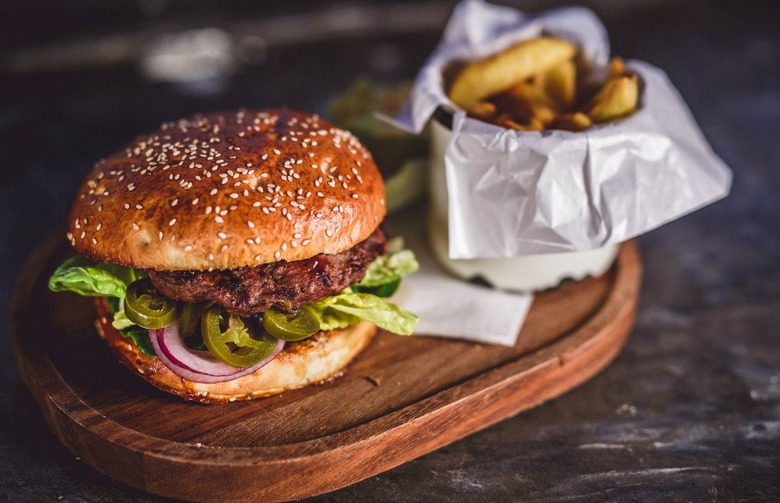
[577, 121]
[618, 97]
[560, 84]
[515, 105]
[617, 67]
[525, 101]
[483, 110]
[534, 125]
[486, 77]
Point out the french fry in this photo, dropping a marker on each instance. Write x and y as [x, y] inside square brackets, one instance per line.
[560, 84]
[577, 121]
[617, 67]
[515, 105]
[510, 124]
[618, 97]
[483, 110]
[533, 85]
[530, 101]
[534, 125]
[481, 79]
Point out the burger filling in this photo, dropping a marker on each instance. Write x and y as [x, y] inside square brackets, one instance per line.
[285, 286]
[195, 321]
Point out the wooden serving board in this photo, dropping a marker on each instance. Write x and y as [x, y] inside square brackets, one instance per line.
[403, 397]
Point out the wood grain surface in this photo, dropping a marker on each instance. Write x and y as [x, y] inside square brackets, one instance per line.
[402, 398]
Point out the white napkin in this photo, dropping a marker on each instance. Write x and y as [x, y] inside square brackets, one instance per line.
[449, 307]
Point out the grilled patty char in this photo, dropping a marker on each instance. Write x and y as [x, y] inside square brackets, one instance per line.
[284, 285]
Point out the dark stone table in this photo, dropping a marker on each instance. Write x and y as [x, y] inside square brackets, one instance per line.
[690, 411]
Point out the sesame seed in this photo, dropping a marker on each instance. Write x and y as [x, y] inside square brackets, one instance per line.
[221, 235]
[214, 191]
[136, 226]
[277, 255]
[174, 202]
[188, 248]
[173, 221]
[251, 224]
[219, 219]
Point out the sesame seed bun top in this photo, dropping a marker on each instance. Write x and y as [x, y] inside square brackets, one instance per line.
[223, 191]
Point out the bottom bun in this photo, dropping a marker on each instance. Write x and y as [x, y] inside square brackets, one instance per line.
[313, 360]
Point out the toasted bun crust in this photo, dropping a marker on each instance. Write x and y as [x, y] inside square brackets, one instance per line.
[314, 360]
[223, 191]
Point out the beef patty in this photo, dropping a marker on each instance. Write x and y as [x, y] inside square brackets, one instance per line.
[283, 285]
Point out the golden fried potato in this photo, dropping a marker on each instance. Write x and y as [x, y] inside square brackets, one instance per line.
[540, 104]
[560, 84]
[533, 125]
[533, 85]
[483, 78]
[577, 121]
[483, 110]
[617, 98]
[617, 67]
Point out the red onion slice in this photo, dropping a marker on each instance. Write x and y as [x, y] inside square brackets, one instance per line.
[197, 366]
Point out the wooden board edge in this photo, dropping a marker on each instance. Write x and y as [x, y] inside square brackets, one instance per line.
[165, 457]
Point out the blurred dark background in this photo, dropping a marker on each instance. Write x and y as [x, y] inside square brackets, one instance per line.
[79, 78]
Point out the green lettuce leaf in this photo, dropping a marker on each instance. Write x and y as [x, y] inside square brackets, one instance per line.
[139, 336]
[80, 275]
[349, 308]
[389, 268]
[121, 321]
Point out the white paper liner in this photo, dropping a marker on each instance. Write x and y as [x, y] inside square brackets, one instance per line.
[516, 193]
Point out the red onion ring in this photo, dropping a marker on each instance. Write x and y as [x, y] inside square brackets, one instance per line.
[197, 366]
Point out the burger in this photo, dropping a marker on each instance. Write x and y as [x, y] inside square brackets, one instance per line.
[237, 255]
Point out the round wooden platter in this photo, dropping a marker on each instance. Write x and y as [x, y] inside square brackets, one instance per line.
[403, 397]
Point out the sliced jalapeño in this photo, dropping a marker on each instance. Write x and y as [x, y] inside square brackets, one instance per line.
[234, 340]
[146, 307]
[291, 327]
